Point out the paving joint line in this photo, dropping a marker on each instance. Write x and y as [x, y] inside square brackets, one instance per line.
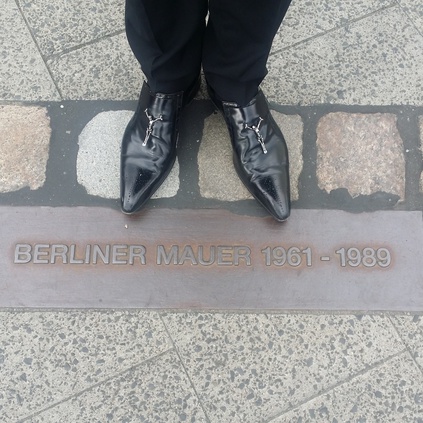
[66, 51]
[335, 28]
[39, 50]
[405, 344]
[333, 387]
[78, 394]
[409, 18]
[184, 367]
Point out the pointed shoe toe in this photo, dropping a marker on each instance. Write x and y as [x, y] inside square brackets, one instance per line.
[137, 186]
[273, 194]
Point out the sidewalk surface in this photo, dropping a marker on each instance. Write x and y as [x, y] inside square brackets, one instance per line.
[345, 84]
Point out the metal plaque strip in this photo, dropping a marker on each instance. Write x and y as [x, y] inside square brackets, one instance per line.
[210, 259]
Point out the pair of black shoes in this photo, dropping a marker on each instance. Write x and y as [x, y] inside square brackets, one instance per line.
[148, 153]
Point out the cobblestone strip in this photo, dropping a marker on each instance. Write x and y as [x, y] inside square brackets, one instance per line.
[361, 154]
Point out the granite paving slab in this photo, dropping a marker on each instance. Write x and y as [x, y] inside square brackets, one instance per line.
[155, 391]
[410, 329]
[364, 62]
[414, 10]
[248, 368]
[104, 70]
[63, 25]
[48, 356]
[391, 392]
[306, 19]
[24, 75]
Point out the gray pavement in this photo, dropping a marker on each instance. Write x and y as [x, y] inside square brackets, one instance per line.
[346, 85]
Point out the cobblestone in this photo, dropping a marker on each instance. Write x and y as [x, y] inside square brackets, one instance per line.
[25, 137]
[360, 152]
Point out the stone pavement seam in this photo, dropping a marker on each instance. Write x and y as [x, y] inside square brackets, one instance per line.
[404, 10]
[184, 368]
[38, 48]
[407, 347]
[336, 385]
[55, 56]
[115, 376]
[335, 28]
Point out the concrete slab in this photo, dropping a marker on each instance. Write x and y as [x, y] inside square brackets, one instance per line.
[210, 259]
[23, 74]
[307, 19]
[64, 25]
[247, 368]
[391, 392]
[105, 70]
[365, 62]
[47, 357]
[363, 153]
[98, 162]
[25, 138]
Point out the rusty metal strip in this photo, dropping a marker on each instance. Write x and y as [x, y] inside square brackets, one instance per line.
[210, 259]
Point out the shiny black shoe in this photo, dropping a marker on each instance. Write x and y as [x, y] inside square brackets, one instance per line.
[149, 145]
[260, 154]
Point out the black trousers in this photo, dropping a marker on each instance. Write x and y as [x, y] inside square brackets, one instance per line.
[171, 40]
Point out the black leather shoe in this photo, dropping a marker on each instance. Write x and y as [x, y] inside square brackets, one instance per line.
[260, 154]
[149, 145]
